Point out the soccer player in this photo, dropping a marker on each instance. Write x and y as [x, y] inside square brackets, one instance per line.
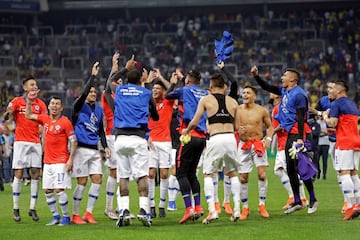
[133, 104]
[343, 116]
[188, 155]
[107, 101]
[89, 129]
[27, 147]
[221, 147]
[160, 144]
[280, 160]
[293, 112]
[58, 163]
[249, 122]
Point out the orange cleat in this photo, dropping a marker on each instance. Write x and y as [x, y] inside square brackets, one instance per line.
[344, 207]
[189, 215]
[228, 209]
[305, 202]
[263, 212]
[244, 214]
[212, 216]
[76, 219]
[288, 203]
[351, 213]
[217, 207]
[88, 217]
[199, 211]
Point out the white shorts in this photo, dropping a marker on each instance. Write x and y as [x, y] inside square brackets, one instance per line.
[173, 156]
[280, 160]
[332, 152]
[55, 176]
[86, 162]
[111, 162]
[26, 155]
[220, 150]
[346, 160]
[132, 156]
[160, 155]
[248, 158]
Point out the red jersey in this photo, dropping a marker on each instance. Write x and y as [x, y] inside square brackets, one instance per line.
[109, 115]
[281, 135]
[160, 130]
[56, 138]
[26, 130]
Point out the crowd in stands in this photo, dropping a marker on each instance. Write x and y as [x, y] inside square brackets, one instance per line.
[323, 45]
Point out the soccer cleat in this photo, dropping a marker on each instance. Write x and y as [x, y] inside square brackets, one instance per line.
[227, 207]
[235, 216]
[144, 217]
[189, 215]
[171, 206]
[76, 219]
[217, 207]
[293, 208]
[88, 217]
[162, 212]
[288, 203]
[313, 207]
[124, 218]
[305, 202]
[263, 212]
[244, 214]
[199, 211]
[153, 212]
[33, 215]
[110, 214]
[64, 221]
[16, 215]
[344, 207]
[55, 220]
[351, 213]
[211, 217]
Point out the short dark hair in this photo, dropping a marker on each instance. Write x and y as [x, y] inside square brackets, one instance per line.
[134, 76]
[217, 80]
[252, 88]
[27, 79]
[343, 84]
[159, 82]
[294, 71]
[56, 98]
[195, 75]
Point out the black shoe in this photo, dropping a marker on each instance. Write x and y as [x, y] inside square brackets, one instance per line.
[2, 187]
[162, 212]
[324, 177]
[153, 212]
[16, 215]
[33, 214]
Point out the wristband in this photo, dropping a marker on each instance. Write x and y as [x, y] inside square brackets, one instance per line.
[319, 113]
[269, 138]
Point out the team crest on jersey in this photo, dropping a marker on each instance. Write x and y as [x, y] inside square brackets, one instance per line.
[160, 106]
[37, 107]
[57, 127]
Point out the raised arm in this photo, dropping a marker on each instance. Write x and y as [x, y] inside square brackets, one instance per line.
[264, 85]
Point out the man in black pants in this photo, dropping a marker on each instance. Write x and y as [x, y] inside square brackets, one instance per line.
[292, 117]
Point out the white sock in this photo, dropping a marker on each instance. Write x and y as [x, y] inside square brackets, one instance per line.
[262, 186]
[118, 197]
[34, 190]
[302, 190]
[64, 203]
[152, 192]
[93, 196]
[164, 184]
[77, 197]
[348, 189]
[340, 185]
[244, 192]
[209, 193]
[215, 179]
[124, 202]
[235, 189]
[51, 202]
[285, 181]
[110, 188]
[356, 181]
[173, 188]
[144, 203]
[227, 188]
[16, 186]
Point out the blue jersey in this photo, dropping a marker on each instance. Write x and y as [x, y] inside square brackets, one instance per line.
[290, 101]
[131, 106]
[189, 97]
[87, 124]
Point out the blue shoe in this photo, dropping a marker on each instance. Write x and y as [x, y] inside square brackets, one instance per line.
[55, 220]
[65, 221]
[145, 218]
[171, 206]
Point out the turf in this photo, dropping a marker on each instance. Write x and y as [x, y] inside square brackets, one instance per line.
[326, 223]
